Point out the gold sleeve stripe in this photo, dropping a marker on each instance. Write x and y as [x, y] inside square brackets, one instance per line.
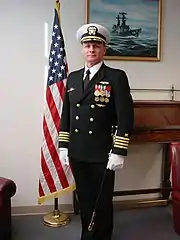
[122, 138]
[117, 146]
[121, 144]
[63, 137]
[64, 140]
[121, 141]
[64, 133]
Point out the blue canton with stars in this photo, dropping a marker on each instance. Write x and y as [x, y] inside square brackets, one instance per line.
[57, 57]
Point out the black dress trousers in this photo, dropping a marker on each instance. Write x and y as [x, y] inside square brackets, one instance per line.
[88, 178]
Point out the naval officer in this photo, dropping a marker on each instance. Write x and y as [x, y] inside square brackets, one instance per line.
[97, 98]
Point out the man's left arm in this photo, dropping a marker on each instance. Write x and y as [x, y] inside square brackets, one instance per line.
[124, 121]
[124, 114]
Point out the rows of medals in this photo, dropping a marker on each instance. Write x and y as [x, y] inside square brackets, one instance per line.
[102, 93]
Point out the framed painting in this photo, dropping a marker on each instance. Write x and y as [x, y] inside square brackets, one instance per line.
[134, 25]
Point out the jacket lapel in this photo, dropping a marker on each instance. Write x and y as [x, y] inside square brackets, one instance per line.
[97, 78]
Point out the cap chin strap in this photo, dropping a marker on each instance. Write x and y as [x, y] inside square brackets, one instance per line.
[93, 39]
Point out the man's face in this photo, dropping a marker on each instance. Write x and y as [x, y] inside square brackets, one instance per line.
[93, 52]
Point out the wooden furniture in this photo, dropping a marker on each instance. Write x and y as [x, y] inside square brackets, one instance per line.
[155, 122]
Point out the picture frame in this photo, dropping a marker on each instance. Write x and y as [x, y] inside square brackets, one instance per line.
[134, 25]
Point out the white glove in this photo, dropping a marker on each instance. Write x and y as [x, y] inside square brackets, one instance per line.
[115, 162]
[64, 156]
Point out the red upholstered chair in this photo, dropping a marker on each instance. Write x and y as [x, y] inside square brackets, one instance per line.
[175, 163]
[7, 190]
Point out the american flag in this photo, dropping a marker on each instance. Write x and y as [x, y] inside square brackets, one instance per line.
[55, 178]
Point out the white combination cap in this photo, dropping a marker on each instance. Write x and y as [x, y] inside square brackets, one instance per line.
[93, 32]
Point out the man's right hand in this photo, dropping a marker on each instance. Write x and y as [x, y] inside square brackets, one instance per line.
[64, 156]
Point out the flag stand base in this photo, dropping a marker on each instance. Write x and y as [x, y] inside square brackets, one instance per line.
[56, 219]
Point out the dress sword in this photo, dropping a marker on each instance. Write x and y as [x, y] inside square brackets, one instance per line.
[91, 224]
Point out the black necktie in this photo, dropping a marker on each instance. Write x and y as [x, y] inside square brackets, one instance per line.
[86, 80]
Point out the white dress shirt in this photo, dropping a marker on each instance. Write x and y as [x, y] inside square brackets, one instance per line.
[93, 70]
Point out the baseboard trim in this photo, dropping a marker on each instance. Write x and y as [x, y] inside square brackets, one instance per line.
[140, 203]
[40, 209]
[68, 208]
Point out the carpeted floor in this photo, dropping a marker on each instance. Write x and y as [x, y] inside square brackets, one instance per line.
[153, 223]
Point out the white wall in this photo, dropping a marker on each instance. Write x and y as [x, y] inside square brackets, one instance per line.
[22, 80]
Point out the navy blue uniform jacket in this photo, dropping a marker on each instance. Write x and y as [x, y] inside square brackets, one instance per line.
[88, 117]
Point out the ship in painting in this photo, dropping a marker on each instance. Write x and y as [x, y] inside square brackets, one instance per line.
[122, 29]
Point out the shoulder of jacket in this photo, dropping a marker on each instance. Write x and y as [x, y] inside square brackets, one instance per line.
[115, 70]
[119, 76]
[76, 72]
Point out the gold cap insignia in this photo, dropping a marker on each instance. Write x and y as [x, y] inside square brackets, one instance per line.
[92, 30]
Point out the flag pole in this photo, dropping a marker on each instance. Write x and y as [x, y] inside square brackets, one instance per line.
[56, 218]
